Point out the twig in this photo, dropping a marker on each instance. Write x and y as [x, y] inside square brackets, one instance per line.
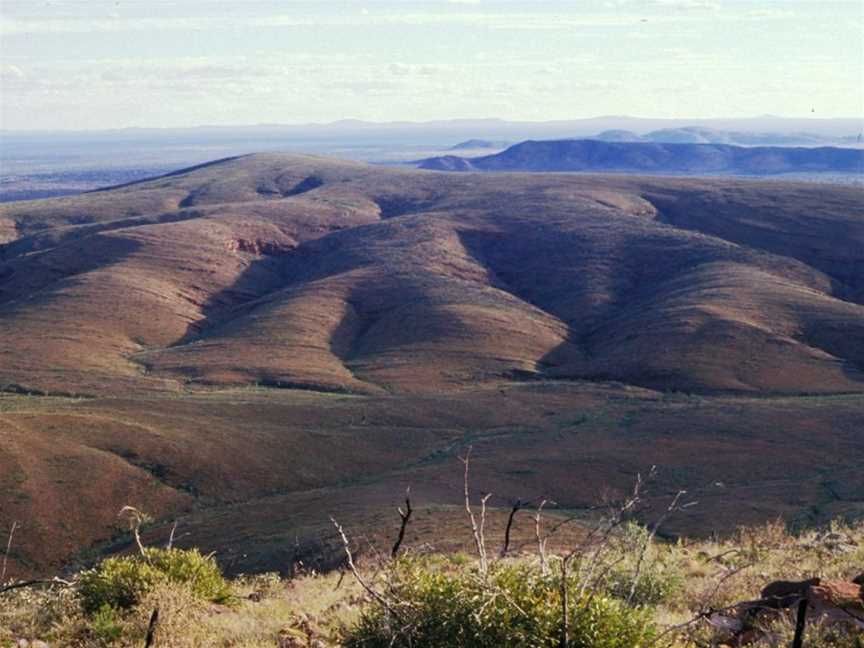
[151, 628]
[136, 519]
[383, 602]
[405, 515]
[38, 581]
[483, 501]
[616, 519]
[800, 622]
[565, 601]
[706, 610]
[541, 542]
[171, 537]
[341, 578]
[513, 511]
[647, 544]
[477, 531]
[6, 554]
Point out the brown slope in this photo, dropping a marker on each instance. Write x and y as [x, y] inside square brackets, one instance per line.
[292, 271]
[253, 472]
[280, 270]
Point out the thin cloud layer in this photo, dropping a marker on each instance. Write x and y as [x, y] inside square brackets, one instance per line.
[96, 64]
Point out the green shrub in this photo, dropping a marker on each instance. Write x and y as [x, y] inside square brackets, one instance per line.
[120, 582]
[660, 576]
[105, 625]
[516, 606]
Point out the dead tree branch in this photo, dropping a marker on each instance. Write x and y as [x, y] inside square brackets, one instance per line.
[379, 598]
[541, 541]
[565, 601]
[405, 516]
[7, 552]
[136, 518]
[476, 530]
[171, 537]
[648, 540]
[151, 628]
[517, 506]
[40, 581]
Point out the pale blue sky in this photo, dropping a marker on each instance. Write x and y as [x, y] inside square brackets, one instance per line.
[104, 64]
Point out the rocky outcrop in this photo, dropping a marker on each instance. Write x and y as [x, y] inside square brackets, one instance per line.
[834, 602]
[259, 247]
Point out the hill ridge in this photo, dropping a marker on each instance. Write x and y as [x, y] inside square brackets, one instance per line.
[655, 157]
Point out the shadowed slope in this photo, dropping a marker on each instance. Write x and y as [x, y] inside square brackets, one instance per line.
[302, 271]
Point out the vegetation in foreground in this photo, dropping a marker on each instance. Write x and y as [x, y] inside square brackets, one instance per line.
[623, 589]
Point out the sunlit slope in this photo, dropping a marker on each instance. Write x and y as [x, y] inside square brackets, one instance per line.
[301, 271]
[254, 473]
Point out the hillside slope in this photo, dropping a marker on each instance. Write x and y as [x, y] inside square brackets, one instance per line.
[308, 272]
[260, 341]
[684, 157]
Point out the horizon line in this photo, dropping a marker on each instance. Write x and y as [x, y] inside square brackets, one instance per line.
[401, 122]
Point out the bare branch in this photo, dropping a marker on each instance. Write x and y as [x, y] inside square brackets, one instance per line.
[477, 531]
[647, 544]
[151, 628]
[541, 542]
[39, 581]
[405, 515]
[136, 518]
[171, 537]
[379, 598]
[517, 506]
[565, 602]
[6, 554]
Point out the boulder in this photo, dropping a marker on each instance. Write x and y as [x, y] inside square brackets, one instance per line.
[838, 602]
[784, 594]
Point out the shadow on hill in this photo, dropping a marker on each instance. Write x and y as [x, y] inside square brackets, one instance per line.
[23, 277]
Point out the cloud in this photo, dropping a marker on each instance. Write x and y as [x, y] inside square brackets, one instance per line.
[541, 20]
[11, 72]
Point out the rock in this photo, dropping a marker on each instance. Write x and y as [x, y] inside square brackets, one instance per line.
[784, 594]
[840, 602]
[259, 247]
[830, 601]
[838, 593]
[291, 638]
[836, 542]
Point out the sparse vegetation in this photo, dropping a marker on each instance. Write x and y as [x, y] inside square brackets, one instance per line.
[121, 582]
[446, 601]
[514, 605]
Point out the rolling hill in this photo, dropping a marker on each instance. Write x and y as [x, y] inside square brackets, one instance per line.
[258, 341]
[680, 156]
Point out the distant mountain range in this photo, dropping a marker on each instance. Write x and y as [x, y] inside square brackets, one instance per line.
[701, 135]
[480, 144]
[653, 157]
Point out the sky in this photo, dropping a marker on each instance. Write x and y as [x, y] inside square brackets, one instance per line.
[93, 64]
